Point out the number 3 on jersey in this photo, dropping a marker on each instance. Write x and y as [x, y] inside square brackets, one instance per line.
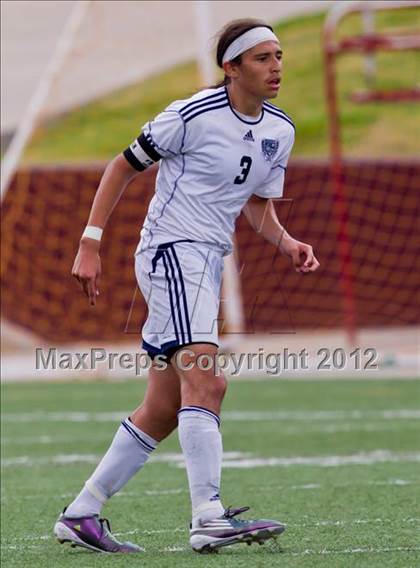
[246, 163]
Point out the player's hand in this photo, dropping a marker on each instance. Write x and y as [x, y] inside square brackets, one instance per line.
[87, 269]
[301, 254]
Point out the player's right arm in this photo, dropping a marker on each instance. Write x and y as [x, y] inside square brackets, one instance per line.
[161, 138]
[87, 264]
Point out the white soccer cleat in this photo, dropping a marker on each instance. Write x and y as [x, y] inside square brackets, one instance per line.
[211, 535]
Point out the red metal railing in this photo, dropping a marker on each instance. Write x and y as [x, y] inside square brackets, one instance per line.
[366, 43]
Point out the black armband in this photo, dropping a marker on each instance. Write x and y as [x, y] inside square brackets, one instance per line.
[141, 154]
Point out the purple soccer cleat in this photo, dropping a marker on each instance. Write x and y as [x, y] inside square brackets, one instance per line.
[211, 535]
[92, 533]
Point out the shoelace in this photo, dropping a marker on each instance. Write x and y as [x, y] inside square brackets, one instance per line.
[102, 521]
[108, 526]
[230, 512]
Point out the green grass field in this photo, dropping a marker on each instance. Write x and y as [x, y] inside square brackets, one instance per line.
[103, 128]
[339, 514]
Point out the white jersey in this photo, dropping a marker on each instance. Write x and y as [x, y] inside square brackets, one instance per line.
[212, 160]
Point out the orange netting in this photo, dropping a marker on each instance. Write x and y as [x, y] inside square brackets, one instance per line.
[383, 213]
[45, 210]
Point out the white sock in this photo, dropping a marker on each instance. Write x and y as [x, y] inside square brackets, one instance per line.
[201, 443]
[127, 453]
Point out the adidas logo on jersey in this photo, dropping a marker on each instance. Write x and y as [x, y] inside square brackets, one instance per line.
[248, 137]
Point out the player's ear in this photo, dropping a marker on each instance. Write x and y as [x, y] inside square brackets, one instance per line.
[230, 69]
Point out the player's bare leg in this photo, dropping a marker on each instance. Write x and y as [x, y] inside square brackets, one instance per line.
[202, 393]
[200, 387]
[157, 414]
[136, 438]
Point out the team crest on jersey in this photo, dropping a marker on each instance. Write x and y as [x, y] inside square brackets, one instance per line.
[269, 148]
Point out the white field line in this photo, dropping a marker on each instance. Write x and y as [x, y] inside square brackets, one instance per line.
[362, 458]
[362, 550]
[157, 492]
[61, 459]
[342, 523]
[233, 459]
[229, 415]
[175, 549]
[45, 440]
[23, 547]
[146, 532]
[65, 459]
[257, 416]
[121, 495]
[179, 491]
[184, 529]
[324, 551]
[176, 458]
[386, 483]
[285, 553]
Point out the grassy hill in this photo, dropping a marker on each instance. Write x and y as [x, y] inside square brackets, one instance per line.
[106, 126]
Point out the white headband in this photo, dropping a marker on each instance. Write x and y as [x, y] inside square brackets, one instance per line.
[249, 39]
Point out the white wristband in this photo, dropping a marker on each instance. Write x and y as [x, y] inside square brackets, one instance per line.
[92, 232]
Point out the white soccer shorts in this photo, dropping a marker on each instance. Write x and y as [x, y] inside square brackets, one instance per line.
[180, 282]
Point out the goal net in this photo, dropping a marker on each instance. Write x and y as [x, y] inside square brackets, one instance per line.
[46, 209]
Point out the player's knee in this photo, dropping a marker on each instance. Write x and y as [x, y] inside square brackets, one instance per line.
[211, 386]
[220, 386]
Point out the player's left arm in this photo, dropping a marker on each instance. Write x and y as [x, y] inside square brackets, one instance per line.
[263, 219]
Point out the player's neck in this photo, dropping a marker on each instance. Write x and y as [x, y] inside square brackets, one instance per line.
[243, 102]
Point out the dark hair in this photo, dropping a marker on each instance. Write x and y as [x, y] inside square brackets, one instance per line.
[228, 34]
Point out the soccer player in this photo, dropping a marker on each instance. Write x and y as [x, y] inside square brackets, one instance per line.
[223, 150]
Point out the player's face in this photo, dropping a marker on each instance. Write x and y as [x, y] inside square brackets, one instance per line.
[260, 70]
